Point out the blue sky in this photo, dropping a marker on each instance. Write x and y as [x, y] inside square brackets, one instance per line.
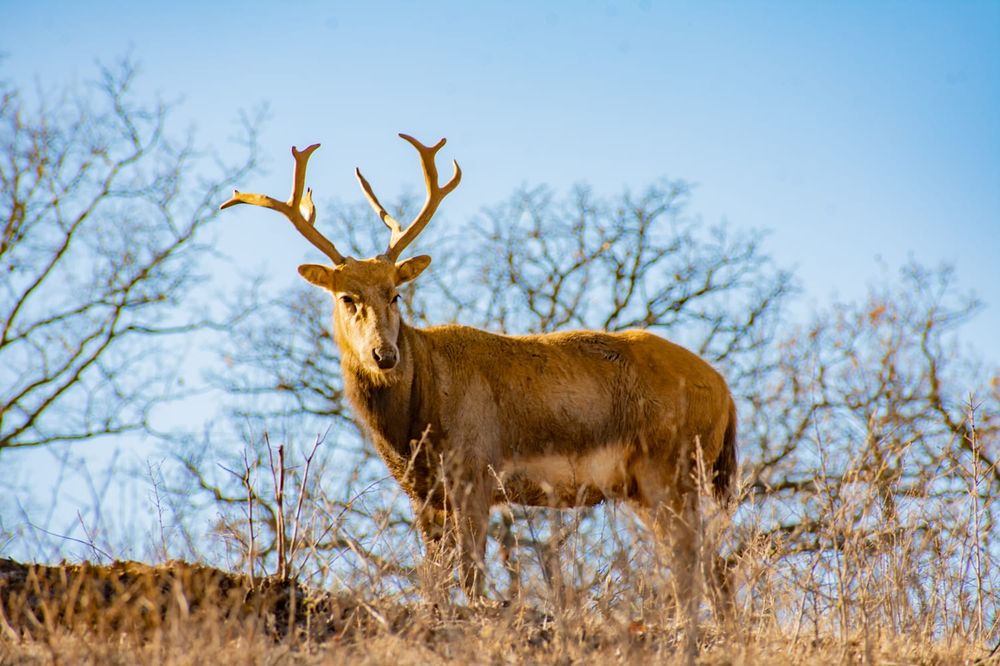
[859, 133]
[854, 131]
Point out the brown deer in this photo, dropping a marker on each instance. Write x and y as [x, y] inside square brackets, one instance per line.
[466, 419]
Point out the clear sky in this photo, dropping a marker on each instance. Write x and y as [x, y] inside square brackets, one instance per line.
[857, 132]
[854, 131]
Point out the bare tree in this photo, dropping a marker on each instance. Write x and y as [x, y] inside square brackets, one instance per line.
[871, 452]
[103, 217]
[879, 393]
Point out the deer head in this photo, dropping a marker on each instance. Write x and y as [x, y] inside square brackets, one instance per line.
[366, 312]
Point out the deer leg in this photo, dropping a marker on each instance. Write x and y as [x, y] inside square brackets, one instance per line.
[720, 588]
[472, 535]
[471, 516]
[508, 555]
[669, 504]
[431, 522]
[438, 550]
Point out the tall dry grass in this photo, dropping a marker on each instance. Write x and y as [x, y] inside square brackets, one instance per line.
[584, 586]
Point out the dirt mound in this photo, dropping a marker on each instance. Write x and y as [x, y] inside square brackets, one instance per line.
[140, 599]
[139, 602]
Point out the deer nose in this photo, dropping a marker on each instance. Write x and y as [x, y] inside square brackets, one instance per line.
[385, 357]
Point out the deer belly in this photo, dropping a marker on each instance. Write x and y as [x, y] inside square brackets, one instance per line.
[565, 480]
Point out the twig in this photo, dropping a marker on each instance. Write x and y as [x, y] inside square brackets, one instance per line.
[89, 544]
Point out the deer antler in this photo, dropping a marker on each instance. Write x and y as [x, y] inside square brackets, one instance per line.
[400, 238]
[299, 208]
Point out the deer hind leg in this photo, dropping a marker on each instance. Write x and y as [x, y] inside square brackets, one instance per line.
[720, 591]
[668, 504]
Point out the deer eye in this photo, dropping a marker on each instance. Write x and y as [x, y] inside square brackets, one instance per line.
[394, 300]
[349, 304]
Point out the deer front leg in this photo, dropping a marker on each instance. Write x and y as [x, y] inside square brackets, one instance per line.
[438, 562]
[431, 523]
[469, 500]
[473, 523]
[455, 535]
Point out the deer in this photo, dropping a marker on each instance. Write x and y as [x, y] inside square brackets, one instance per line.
[466, 419]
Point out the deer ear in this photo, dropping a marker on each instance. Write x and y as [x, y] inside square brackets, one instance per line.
[321, 276]
[411, 268]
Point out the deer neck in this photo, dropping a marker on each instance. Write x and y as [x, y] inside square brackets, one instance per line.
[388, 404]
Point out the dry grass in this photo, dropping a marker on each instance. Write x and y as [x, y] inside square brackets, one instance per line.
[129, 613]
[881, 602]
[859, 585]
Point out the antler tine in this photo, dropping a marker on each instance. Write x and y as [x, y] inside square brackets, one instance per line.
[435, 195]
[383, 214]
[400, 237]
[299, 209]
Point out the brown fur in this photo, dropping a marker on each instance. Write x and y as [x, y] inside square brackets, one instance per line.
[467, 419]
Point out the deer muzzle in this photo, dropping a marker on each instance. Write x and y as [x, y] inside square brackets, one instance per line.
[386, 356]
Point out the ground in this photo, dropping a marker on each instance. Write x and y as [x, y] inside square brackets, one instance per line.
[181, 613]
